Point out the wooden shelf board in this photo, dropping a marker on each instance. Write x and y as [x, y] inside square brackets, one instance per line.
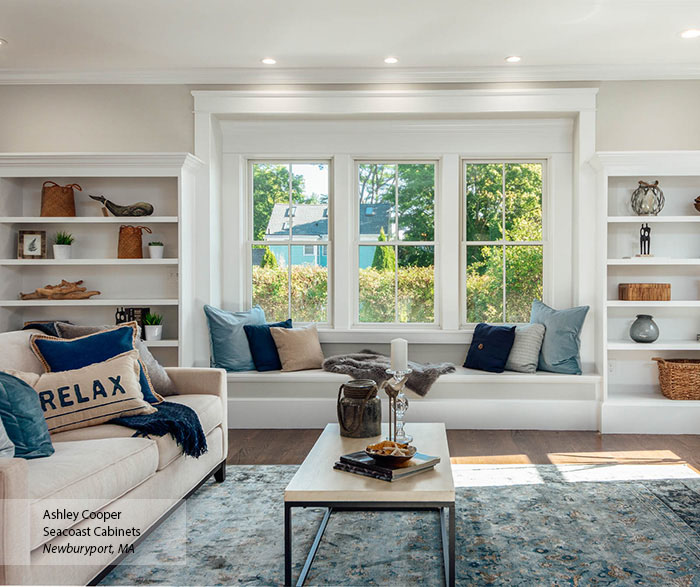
[86, 219]
[161, 343]
[655, 219]
[90, 302]
[93, 262]
[653, 261]
[668, 345]
[644, 395]
[654, 304]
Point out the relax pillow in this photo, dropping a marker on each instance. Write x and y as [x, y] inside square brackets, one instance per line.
[299, 348]
[58, 354]
[229, 344]
[22, 418]
[91, 395]
[262, 345]
[7, 448]
[562, 341]
[162, 384]
[490, 347]
[525, 354]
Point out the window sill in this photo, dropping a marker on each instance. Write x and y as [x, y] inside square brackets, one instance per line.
[379, 336]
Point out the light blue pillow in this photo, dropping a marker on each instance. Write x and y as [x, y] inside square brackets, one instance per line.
[23, 418]
[229, 344]
[562, 340]
[7, 448]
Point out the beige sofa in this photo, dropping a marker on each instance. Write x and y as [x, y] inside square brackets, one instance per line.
[104, 469]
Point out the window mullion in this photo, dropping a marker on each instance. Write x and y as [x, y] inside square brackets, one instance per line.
[396, 247]
[503, 229]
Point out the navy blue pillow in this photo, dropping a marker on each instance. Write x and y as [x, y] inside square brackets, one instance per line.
[60, 354]
[23, 418]
[262, 345]
[490, 348]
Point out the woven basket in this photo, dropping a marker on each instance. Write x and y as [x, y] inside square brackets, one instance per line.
[679, 378]
[130, 246]
[57, 200]
[644, 292]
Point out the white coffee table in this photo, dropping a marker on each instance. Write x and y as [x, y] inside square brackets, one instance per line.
[317, 484]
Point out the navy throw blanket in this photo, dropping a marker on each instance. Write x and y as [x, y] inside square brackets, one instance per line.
[180, 421]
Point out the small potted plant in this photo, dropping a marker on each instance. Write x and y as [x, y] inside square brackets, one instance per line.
[63, 246]
[155, 249]
[153, 325]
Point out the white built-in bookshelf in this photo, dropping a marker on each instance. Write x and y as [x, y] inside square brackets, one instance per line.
[632, 400]
[166, 180]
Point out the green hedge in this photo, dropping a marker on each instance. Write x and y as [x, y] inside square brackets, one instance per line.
[310, 293]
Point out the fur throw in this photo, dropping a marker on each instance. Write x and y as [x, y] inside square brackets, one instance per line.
[370, 365]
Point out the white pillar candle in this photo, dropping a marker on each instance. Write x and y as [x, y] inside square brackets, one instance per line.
[399, 354]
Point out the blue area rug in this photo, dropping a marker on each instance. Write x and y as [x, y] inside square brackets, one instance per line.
[516, 525]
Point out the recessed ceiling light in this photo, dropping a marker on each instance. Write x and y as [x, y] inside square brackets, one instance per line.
[691, 34]
[269, 61]
[3, 42]
[513, 59]
[391, 60]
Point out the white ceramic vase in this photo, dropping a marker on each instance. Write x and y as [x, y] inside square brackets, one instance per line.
[156, 252]
[154, 332]
[62, 251]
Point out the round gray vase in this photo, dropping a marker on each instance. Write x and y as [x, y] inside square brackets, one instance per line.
[644, 329]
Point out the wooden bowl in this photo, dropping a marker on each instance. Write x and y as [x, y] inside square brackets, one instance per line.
[376, 452]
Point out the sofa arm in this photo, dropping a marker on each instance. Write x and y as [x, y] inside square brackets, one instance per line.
[201, 380]
[14, 523]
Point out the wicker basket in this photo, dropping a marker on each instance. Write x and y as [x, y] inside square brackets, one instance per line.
[679, 378]
[57, 200]
[644, 292]
[130, 246]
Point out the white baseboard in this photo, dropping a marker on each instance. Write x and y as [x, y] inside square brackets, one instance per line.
[651, 418]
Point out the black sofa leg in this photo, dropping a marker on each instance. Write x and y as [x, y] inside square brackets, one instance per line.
[220, 473]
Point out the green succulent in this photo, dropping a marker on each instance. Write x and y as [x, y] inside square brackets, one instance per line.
[64, 238]
[152, 319]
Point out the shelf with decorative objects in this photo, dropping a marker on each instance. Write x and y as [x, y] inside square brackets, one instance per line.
[64, 254]
[649, 288]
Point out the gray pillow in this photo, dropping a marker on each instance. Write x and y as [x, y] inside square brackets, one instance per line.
[7, 448]
[525, 353]
[161, 381]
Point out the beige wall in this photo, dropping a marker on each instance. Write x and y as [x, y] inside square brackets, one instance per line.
[631, 116]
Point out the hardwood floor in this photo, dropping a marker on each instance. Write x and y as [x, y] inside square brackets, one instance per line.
[289, 447]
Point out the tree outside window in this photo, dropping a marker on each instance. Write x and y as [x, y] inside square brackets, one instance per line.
[503, 241]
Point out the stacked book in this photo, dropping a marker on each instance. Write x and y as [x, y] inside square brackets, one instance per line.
[361, 463]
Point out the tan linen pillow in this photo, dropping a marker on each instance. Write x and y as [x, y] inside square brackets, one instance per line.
[92, 395]
[298, 348]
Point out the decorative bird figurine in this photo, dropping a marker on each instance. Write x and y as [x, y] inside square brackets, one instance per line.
[137, 209]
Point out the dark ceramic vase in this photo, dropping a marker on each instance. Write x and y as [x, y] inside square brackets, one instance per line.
[644, 329]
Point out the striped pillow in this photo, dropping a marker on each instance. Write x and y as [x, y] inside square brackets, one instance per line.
[91, 395]
[525, 353]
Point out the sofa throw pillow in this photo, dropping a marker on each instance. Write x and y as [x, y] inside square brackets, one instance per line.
[23, 419]
[562, 337]
[90, 395]
[525, 354]
[229, 344]
[7, 448]
[262, 345]
[490, 347]
[59, 354]
[162, 384]
[299, 348]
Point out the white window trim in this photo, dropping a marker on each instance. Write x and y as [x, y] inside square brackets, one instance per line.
[288, 242]
[435, 243]
[213, 108]
[545, 242]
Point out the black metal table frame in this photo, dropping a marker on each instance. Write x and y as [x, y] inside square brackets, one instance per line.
[447, 526]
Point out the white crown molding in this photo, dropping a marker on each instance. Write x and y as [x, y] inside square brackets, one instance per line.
[101, 160]
[643, 163]
[357, 75]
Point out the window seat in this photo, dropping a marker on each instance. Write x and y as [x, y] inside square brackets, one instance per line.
[464, 399]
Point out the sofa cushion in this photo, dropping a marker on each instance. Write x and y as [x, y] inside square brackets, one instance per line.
[208, 408]
[229, 344]
[17, 352]
[86, 474]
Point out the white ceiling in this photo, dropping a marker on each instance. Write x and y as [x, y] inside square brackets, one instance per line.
[222, 41]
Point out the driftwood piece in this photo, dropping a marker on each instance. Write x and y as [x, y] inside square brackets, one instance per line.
[66, 290]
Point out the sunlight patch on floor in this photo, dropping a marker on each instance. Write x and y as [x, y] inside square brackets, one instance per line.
[466, 475]
[627, 457]
[582, 473]
[492, 460]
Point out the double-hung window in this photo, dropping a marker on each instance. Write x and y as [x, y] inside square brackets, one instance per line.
[289, 238]
[502, 239]
[395, 207]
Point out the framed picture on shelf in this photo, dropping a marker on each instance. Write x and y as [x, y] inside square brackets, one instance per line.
[31, 244]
